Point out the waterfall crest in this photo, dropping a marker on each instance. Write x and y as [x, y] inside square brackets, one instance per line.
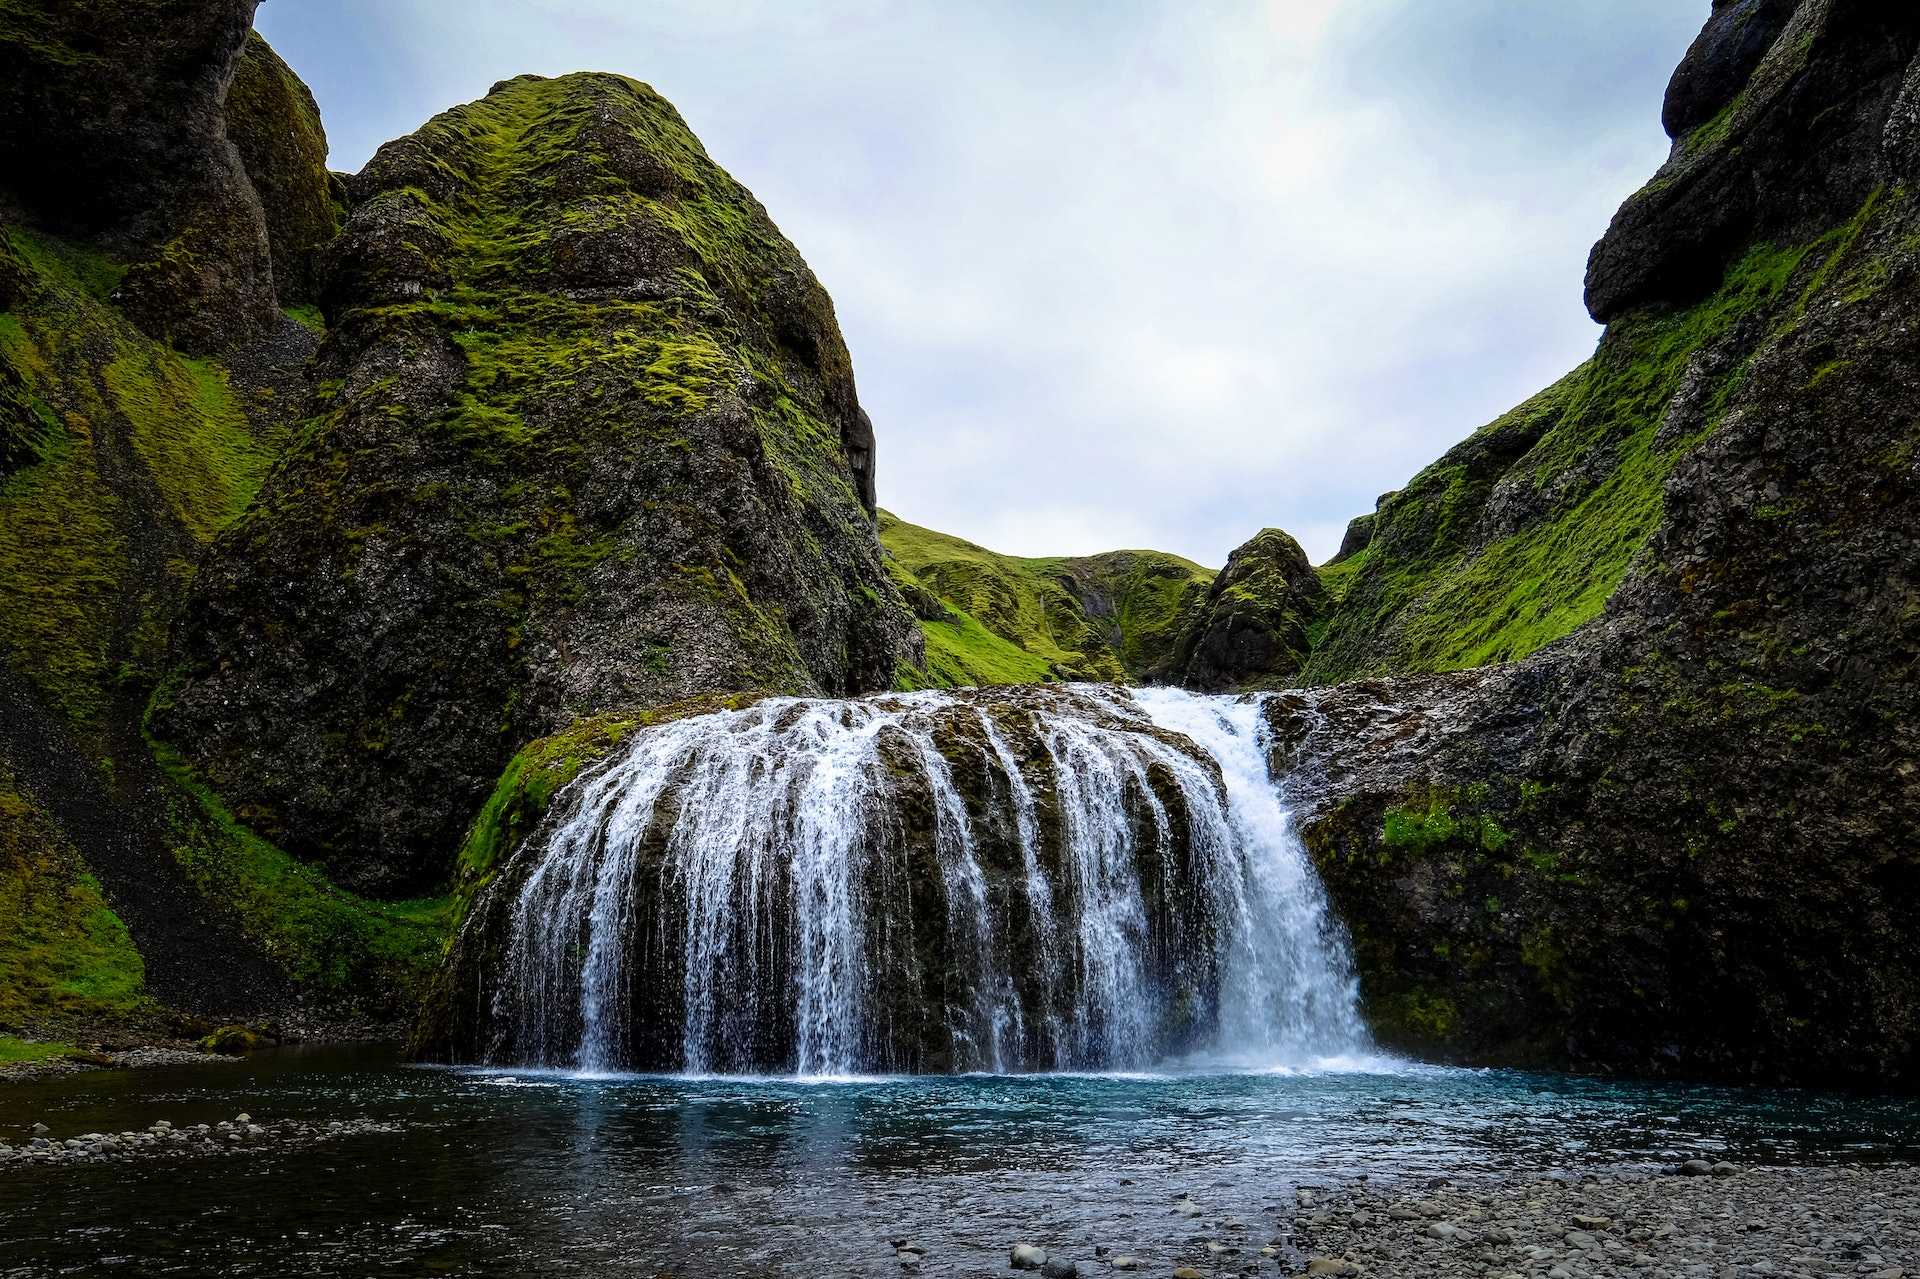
[1078, 878]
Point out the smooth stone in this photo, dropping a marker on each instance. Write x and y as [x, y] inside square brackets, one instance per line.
[1060, 1268]
[1443, 1230]
[1725, 1169]
[1188, 1272]
[1339, 1267]
[1025, 1256]
[1696, 1168]
[1125, 1261]
[41, 1130]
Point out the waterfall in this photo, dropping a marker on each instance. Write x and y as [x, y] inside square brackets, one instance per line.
[1047, 878]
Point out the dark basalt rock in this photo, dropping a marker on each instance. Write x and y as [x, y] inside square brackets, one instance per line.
[1721, 60]
[1680, 839]
[586, 436]
[274, 123]
[1791, 139]
[111, 129]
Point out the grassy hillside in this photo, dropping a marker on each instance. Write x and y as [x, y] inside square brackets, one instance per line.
[1003, 619]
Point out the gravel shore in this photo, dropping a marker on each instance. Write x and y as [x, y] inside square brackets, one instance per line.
[1859, 1221]
[14, 1072]
[162, 1140]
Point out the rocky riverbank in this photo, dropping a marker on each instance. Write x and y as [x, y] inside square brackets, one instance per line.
[1861, 1221]
[239, 1135]
[1698, 1220]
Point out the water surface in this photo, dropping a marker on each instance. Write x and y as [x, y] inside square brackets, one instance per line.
[530, 1173]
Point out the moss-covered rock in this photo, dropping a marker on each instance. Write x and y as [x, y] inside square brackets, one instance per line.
[1259, 620]
[585, 437]
[1778, 115]
[1677, 836]
[111, 130]
[1003, 619]
[274, 123]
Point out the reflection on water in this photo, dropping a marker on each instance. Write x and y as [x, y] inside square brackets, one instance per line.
[531, 1173]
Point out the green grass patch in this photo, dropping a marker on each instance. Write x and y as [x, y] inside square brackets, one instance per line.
[65, 957]
[339, 945]
[15, 1049]
[1015, 620]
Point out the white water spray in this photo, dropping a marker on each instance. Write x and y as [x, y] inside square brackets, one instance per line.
[1079, 878]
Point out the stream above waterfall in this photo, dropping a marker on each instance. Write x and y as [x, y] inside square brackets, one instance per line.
[1006, 880]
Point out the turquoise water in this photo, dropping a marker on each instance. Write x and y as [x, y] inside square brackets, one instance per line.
[534, 1174]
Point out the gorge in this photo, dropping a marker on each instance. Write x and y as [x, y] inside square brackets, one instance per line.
[463, 697]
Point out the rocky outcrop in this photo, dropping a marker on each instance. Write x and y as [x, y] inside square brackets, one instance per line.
[274, 123]
[1677, 836]
[585, 437]
[1779, 116]
[111, 130]
[1255, 629]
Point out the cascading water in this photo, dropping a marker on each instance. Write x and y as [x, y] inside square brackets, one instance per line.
[1021, 879]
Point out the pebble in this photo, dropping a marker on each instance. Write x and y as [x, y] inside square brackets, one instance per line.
[1188, 1272]
[1024, 1256]
[1125, 1261]
[1060, 1268]
[1854, 1222]
[162, 1140]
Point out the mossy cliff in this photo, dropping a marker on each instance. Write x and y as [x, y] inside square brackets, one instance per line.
[1003, 619]
[129, 901]
[275, 127]
[112, 131]
[584, 436]
[1677, 835]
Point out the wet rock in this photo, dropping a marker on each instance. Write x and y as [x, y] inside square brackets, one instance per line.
[1060, 1268]
[1025, 1256]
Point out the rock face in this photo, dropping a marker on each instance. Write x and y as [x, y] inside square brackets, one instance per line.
[585, 436]
[274, 123]
[121, 458]
[1779, 117]
[111, 129]
[1255, 629]
[1679, 839]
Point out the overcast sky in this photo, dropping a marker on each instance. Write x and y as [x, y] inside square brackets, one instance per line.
[1120, 274]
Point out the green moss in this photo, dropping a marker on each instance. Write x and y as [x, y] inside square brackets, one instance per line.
[189, 431]
[1004, 619]
[1423, 1015]
[13, 1049]
[340, 946]
[65, 957]
[235, 1041]
[1437, 590]
[79, 614]
[307, 317]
